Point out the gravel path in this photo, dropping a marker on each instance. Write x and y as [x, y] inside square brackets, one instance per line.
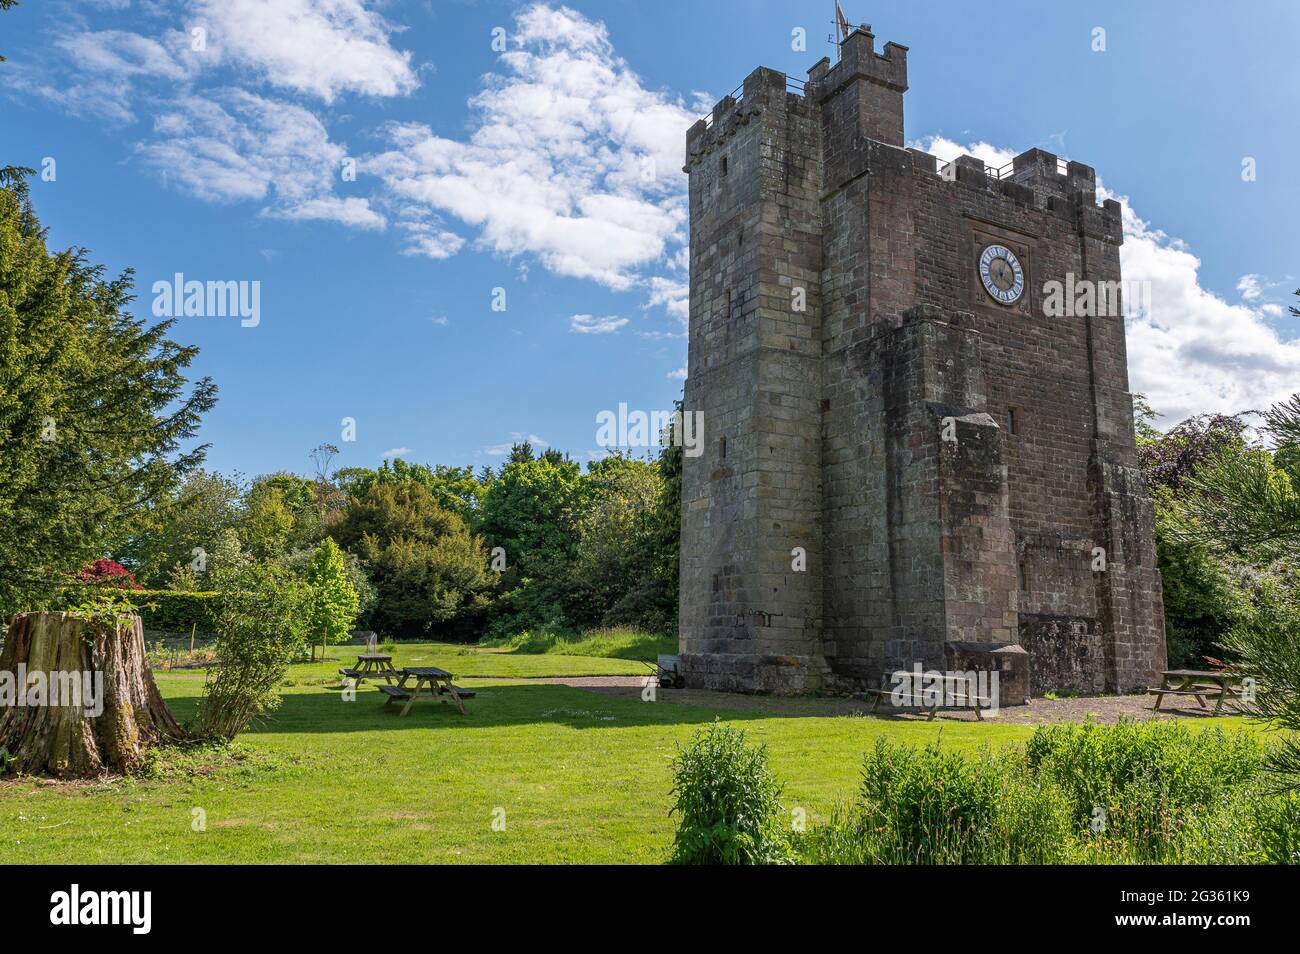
[1076, 709]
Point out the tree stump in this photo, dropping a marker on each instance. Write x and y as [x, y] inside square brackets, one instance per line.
[72, 741]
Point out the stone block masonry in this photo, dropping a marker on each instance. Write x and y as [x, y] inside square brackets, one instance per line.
[898, 466]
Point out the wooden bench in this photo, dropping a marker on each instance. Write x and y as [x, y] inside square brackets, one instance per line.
[397, 692]
[1198, 694]
[956, 687]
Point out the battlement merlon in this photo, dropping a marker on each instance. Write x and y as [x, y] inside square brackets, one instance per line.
[859, 60]
[763, 89]
[880, 115]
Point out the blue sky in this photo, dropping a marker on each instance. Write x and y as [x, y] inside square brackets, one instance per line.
[552, 170]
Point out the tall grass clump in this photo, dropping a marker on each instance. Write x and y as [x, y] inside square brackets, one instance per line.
[1138, 791]
[935, 806]
[729, 802]
[1130, 793]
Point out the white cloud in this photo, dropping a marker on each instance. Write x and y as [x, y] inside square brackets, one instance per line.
[571, 159]
[395, 452]
[679, 374]
[1193, 352]
[121, 55]
[424, 238]
[229, 143]
[352, 211]
[590, 325]
[318, 47]
[1250, 287]
[947, 150]
[235, 145]
[674, 294]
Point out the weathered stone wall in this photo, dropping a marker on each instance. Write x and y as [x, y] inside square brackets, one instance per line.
[833, 414]
[755, 494]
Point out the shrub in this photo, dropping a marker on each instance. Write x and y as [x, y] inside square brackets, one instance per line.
[260, 630]
[1268, 648]
[729, 802]
[171, 611]
[108, 572]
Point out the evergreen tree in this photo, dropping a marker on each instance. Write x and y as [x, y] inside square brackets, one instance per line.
[94, 408]
[1245, 504]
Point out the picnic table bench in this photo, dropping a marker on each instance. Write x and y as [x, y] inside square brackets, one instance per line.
[371, 664]
[430, 681]
[1200, 684]
[957, 688]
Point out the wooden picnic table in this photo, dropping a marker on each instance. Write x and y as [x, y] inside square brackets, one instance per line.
[430, 681]
[1192, 682]
[371, 664]
[947, 687]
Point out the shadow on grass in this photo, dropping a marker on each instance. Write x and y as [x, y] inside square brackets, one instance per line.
[494, 706]
[642, 647]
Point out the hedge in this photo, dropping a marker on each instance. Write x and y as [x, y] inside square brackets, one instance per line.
[173, 611]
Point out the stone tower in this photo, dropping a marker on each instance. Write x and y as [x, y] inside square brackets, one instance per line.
[909, 457]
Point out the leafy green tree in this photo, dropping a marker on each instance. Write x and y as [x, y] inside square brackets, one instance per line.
[1144, 421]
[298, 562]
[427, 568]
[299, 497]
[618, 495]
[266, 521]
[652, 602]
[1203, 596]
[531, 511]
[455, 488]
[332, 602]
[182, 528]
[1243, 502]
[94, 408]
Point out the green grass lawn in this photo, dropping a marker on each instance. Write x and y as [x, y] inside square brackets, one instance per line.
[580, 776]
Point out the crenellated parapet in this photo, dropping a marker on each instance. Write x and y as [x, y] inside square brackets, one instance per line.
[1037, 178]
[764, 91]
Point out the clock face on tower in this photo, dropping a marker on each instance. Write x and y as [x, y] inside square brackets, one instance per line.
[1001, 274]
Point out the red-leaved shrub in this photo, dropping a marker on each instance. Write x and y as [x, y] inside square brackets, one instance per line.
[110, 573]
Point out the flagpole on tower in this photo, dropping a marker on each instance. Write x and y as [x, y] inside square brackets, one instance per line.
[841, 29]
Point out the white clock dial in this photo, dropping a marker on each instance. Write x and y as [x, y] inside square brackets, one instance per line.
[1001, 274]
